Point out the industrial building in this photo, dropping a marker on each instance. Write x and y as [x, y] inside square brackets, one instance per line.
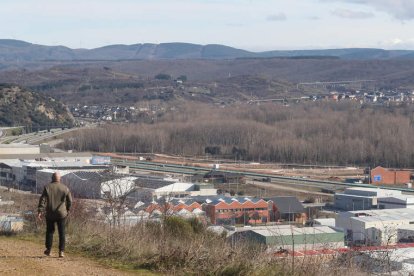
[11, 171]
[361, 198]
[101, 184]
[24, 172]
[83, 156]
[82, 183]
[117, 187]
[397, 201]
[237, 211]
[374, 227]
[324, 222]
[383, 176]
[71, 177]
[180, 189]
[405, 233]
[185, 208]
[291, 237]
[146, 185]
[286, 209]
[19, 149]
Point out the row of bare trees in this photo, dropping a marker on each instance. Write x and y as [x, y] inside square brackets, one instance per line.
[323, 133]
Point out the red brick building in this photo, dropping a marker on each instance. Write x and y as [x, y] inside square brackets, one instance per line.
[173, 206]
[237, 211]
[380, 175]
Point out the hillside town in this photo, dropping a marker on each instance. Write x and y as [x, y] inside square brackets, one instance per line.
[150, 112]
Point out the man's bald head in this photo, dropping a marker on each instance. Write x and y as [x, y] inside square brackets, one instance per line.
[56, 177]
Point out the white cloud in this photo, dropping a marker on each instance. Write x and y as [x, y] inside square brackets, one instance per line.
[400, 9]
[350, 14]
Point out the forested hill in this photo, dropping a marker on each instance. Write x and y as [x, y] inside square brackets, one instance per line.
[20, 107]
[21, 51]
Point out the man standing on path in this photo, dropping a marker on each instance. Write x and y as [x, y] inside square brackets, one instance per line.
[55, 203]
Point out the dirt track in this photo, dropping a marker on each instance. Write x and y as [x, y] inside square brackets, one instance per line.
[19, 257]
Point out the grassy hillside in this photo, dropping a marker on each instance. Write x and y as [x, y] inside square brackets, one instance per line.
[19, 107]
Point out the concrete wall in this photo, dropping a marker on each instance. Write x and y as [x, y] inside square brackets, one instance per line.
[378, 232]
[371, 192]
[394, 203]
[351, 203]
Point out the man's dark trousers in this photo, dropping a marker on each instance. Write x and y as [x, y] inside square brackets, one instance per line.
[50, 230]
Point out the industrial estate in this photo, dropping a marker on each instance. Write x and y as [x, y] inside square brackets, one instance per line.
[290, 210]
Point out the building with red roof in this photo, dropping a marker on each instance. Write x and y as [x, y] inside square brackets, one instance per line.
[237, 211]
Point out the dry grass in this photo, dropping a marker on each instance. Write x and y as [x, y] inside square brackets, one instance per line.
[181, 247]
[184, 247]
[173, 247]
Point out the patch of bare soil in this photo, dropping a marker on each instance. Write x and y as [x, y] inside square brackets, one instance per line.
[19, 257]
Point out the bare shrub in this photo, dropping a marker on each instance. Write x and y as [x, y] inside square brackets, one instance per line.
[317, 133]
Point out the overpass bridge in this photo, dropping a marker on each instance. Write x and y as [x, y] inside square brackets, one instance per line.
[324, 84]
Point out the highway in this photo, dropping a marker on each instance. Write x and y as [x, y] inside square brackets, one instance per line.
[37, 137]
[296, 181]
[33, 137]
[15, 139]
[3, 131]
[280, 100]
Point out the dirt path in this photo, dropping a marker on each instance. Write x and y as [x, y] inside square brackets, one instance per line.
[19, 257]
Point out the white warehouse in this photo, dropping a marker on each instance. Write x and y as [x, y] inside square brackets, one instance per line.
[361, 198]
[374, 227]
[397, 201]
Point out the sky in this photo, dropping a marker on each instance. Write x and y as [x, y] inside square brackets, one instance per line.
[255, 25]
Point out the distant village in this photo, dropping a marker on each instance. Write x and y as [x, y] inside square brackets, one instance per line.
[150, 111]
[116, 113]
[373, 97]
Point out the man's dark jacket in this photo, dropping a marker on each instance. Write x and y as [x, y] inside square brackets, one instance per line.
[56, 200]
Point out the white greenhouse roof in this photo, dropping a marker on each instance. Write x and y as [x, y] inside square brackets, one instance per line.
[175, 187]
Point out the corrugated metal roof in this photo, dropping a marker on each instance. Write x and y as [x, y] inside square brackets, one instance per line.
[383, 218]
[292, 230]
[18, 145]
[12, 162]
[383, 212]
[175, 187]
[46, 155]
[406, 198]
[287, 204]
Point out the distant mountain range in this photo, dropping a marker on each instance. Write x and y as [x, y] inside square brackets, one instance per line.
[21, 51]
